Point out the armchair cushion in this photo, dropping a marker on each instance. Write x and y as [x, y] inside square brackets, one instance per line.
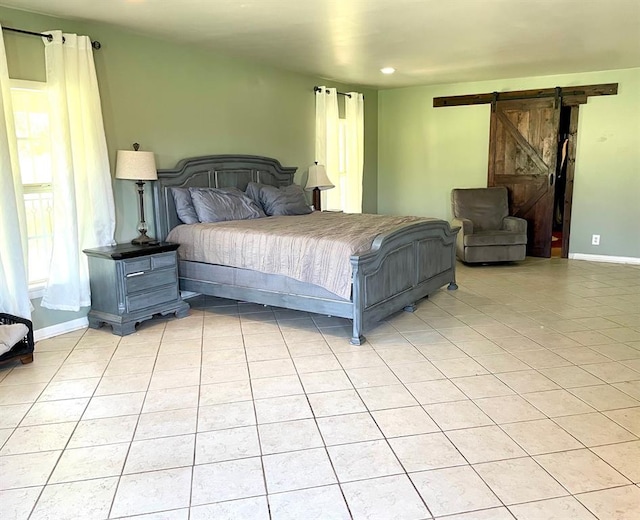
[495, 238]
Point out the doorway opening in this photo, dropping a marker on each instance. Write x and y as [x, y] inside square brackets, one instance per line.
[560, 182]
[564, 175]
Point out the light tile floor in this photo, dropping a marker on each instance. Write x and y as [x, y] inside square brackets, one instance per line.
[517, 396]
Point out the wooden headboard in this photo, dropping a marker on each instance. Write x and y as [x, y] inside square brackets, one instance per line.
[212, 171]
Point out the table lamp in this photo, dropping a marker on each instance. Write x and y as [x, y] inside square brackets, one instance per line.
[317, 181]
[140, 167]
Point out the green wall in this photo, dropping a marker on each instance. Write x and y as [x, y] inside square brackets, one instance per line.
[181, 101]
[424, 152]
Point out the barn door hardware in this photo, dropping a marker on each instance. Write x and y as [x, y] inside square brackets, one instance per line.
[557, 98]
[568, 95]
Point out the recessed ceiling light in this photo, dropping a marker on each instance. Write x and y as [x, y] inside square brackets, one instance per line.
[387, 70]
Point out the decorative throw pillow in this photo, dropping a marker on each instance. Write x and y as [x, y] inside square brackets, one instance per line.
[184, 205]
[219, 205]
[253, 192]
[288, 200]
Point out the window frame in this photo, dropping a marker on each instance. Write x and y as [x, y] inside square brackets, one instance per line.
[37, 287]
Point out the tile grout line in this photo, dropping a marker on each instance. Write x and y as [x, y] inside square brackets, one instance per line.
[255, 415]
[135, 428]
[315, 421]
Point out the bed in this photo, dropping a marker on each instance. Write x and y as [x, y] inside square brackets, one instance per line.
[402, 265]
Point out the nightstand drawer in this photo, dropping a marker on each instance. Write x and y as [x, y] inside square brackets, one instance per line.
[137, 265]
[164, 260]
[149, 263]
[141, 280]
[151, 298]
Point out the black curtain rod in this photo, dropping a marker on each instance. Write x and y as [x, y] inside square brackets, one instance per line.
[318, 89]
[96, 45]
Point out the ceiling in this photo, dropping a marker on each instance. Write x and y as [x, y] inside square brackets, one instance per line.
[427, 41]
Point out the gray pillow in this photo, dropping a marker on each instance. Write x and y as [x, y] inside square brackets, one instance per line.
[184, 205]
[253, 192]
[288, 200]
[219, 205]
[233, 189]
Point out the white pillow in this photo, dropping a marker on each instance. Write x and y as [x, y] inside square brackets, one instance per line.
[10, 335]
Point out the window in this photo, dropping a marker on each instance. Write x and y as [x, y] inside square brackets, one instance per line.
[342, 160]
[31, 113]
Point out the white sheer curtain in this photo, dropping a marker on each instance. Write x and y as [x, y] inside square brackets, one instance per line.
[14, 287]
[327, 144]
[84, 211]
[340, 147]
[354, 112]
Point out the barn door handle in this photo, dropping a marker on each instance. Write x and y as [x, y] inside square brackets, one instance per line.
[552, 178]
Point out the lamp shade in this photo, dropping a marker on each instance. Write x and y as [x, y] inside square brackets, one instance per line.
[136, 166]
[318, 178]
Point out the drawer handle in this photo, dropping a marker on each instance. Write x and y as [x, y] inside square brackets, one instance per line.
[139, 273]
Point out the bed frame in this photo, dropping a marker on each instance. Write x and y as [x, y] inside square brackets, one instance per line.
[402, 266]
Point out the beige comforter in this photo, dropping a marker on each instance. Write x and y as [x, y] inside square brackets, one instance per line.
[311, 248]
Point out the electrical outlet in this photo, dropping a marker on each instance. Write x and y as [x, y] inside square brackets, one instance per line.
[595, 240]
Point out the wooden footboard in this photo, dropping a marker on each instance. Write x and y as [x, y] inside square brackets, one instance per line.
[401, 268]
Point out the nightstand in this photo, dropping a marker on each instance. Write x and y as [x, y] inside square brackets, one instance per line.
[130, 284]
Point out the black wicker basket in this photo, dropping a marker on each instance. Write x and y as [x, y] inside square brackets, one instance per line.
[24, 348]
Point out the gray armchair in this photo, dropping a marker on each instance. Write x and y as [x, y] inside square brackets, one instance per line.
[487, 232]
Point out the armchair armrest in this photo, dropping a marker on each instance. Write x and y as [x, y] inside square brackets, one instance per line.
[515, 224]
[466, 226]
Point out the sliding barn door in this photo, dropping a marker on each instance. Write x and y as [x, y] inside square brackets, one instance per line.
[522, 156]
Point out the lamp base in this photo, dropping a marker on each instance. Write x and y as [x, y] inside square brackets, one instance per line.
[144, 240]
[316, 200]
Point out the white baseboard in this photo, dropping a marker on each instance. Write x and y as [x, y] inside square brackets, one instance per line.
[605, 258]
[60, 328]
